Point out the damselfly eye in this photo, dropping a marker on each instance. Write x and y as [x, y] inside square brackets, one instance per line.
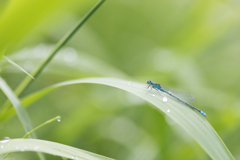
[149, 81]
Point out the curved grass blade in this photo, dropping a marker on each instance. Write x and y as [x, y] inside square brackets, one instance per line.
[16, 145]
[191, 121]
[21, 112]
[16, 65]
[41, 125]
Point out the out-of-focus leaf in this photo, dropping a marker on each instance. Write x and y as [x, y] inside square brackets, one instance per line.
[67, 59]
[21, 17]
[21, 113]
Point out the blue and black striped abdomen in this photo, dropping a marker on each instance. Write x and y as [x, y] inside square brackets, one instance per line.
[204, 114]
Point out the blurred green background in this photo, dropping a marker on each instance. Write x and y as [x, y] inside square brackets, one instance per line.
[192, 46]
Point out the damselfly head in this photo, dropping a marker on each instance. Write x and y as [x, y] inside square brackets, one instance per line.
[149, 82]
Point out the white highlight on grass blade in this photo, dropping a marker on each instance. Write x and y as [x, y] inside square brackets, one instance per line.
[165, 99]
[36, 147]
[16, 65]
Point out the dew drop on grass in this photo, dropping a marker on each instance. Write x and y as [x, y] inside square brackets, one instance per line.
[153, 95]
[59, 119]
[36, 147]
[5, 139]
[165, 99]
[129, 83]
[168, 110]
[2, 146]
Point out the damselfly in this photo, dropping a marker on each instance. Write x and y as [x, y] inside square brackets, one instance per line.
[175, 94]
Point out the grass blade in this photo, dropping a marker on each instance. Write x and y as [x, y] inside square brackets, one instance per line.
[16, 145]
[24, 84]
[16, 65]
[21, 112]
[26, 135]
[191, 121]
[27, 81]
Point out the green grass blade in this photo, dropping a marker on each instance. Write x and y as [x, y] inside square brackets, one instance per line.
[21, 112]
[191, 121]
[16, 65]
[26, 82]
[26, 135]
[16, 145]
[41, 125]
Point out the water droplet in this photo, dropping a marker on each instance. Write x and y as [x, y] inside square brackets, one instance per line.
[72, 157]
[153, 95]
[36, 147]
[168, 110]
[25, 147]
[5, 139]
[22, 149]
[2, 146]
[59, 119]
[165, 99]
[129, 83]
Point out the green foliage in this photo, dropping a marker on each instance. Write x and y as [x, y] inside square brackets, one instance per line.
[48, 147]
[200, 130]
[187, 45]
